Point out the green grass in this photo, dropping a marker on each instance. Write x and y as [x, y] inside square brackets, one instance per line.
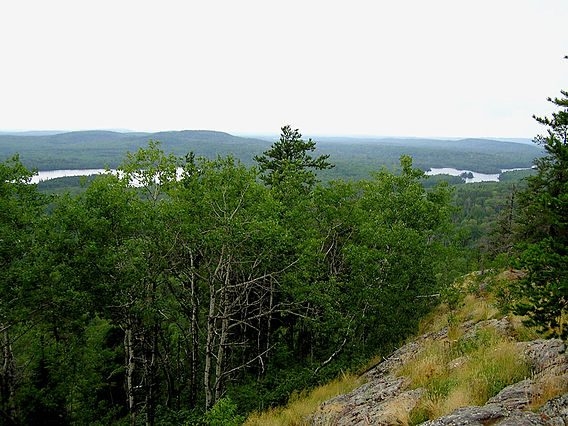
[305, 403]
[466, 371]
[462, 369]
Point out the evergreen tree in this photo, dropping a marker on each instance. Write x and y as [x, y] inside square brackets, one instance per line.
[543, 228]
[288, 165]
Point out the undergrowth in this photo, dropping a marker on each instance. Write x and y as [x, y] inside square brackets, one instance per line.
[462, 372]
[304, 403]
[462, 366]
[466, 368]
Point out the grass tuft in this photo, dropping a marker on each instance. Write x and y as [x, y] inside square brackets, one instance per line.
[462, 369]
[462, 372]
[305, 403]
[548, 387]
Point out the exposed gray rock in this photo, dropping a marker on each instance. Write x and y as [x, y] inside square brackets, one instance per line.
[514, 397]
[373, 400]
[555, 411]
[510, 406]
[546, 355]
[475, 416]
[385, 400]
[503, 326]
[395, 360]
[522, 418]
[491, 414]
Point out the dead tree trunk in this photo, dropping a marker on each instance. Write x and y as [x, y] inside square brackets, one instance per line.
[7, 375]
[223, 334]
[150, 366]
[209, 345]
[129, 362]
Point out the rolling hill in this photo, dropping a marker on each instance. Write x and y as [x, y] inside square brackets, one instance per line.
[354, 157]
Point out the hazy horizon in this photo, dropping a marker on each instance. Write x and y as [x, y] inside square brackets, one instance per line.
[262, 135]
[426, 69]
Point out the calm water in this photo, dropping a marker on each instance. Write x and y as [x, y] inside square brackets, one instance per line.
[53, 174]
[477, 177]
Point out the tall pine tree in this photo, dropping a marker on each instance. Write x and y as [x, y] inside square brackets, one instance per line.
[288, 165]
[543, 229]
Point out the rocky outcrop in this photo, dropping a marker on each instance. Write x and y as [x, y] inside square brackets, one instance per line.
[555, 411]
[509, 412]
[386, 400]
[376, 402]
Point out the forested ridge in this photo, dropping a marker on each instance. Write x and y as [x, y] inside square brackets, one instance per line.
[185, 289]
[354, 158]
[152, 302]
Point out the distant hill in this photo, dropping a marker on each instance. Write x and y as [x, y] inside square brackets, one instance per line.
[32, 132]
[354, 157]
[98, 148]
[480, 155]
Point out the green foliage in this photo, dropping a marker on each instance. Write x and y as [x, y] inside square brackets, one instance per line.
[21, 210]
[100, 149]
[181, 286]
[543, 292]
[150, 169]
[516, 176]
[485, 216]
[69, 184]
[224, 413]
[355, 158]
[288, 166]
[543, 229]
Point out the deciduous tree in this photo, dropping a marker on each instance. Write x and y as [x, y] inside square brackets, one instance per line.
[21, 207]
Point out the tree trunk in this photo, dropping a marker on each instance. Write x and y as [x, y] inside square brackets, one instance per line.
[7, 375]
[209, 344]
[130, 367]
[194, 336]
[223, 333]
[150, 362]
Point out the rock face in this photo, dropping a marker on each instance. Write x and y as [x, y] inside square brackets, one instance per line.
[385, 399]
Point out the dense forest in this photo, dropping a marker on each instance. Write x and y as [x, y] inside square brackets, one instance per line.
[185, 289]
[354, 158]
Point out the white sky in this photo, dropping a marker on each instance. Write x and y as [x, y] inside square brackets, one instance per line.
[452, 68]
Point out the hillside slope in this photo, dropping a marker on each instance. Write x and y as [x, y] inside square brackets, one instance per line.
[387, 400]
[471, 365]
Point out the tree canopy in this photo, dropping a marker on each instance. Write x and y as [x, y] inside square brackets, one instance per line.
[289, 164]
[543, 228]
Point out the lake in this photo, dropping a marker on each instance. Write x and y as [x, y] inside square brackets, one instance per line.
[477, 177]
[54, 174]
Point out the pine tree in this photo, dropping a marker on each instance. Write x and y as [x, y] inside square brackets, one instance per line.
[543, 229]
[287, 165]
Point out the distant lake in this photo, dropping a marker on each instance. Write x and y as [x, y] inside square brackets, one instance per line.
[475, 176]
[54, 174]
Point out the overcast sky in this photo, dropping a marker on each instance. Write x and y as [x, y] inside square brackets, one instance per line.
[447, 68]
